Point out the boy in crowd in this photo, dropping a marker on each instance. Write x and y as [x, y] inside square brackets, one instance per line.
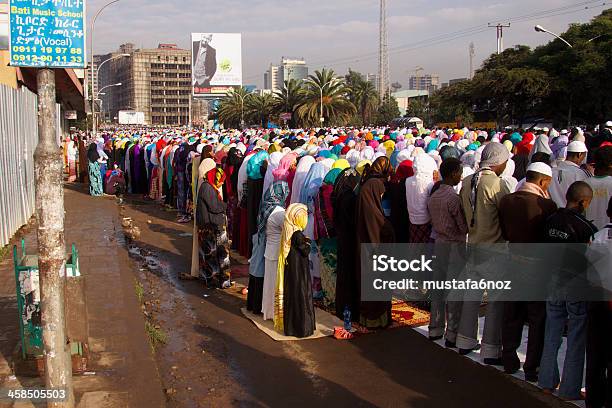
[449, 225]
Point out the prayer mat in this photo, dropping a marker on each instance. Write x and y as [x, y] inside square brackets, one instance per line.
[325, 324]
[405, 315]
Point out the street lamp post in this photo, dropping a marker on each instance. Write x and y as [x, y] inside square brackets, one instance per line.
[541, 29]
[311, 82]
[91, 50]
[93, 106]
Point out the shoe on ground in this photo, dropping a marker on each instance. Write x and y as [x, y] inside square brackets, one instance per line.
[434, 338]
[493, 361]
[465, 352]
[450, 344]
[531, 377]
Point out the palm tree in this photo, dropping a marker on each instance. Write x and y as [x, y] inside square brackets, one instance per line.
[366, 100]
[261, 108]
[289, 99]
[324, 88]
[233, 107]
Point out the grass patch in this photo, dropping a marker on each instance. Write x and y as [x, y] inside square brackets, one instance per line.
[139, 289]
[156, 336]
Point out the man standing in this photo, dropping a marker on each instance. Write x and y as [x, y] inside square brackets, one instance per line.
[522, 218]
[449, 225]
[481, 195]
[601, 185]
[205, 62]
[567, 225]
[567, 172]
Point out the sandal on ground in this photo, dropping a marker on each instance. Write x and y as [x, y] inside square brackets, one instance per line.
[340, 333]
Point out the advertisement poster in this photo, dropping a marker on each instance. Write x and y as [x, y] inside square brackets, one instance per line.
[216, 63]
[47, 33]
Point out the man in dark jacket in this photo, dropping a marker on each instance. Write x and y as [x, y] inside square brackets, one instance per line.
[522, 217]
[568, 225]
[204, 62]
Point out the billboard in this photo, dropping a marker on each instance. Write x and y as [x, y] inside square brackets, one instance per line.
[47, 33]
[216, 63]
[131, 118]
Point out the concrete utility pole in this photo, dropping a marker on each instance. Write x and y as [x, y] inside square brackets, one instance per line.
[48, 169]
[471, 52]
[500, 35]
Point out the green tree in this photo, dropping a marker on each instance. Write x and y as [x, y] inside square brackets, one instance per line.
[260, 108]
[387, 111]
[288, 99]
[452, 104]
[337, 107]
[232, 106]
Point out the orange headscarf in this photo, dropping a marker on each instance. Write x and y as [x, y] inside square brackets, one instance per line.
[215, 178]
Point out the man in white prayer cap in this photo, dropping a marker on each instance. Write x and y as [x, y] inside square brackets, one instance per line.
[567, 172]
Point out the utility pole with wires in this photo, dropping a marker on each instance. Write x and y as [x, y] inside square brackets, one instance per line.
[500, 35]
[383, 55]
[471, 51]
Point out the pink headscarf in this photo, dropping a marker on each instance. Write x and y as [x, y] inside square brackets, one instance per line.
[282, 171]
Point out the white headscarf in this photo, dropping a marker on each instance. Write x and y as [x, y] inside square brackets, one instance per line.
[353, 157]
[418, 188]
[367, 153]
[273, 161]
[300, 175]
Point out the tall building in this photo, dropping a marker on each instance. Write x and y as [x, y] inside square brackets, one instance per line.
[425, 82]
[271, 78]
[292, 68]
[154, 81]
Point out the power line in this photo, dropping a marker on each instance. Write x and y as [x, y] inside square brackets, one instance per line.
[470, 31]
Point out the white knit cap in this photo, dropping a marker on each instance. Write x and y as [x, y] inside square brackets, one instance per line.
[541, 168]
[577, 147]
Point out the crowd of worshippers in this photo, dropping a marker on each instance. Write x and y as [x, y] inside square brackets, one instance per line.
[298, 204]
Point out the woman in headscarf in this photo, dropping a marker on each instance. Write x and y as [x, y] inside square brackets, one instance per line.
[212, 233]
[397, 196]
[372, 227]
[95, 176]
[343, 207]
[296, 218]
[230, 194]
[521, 155]
[256, 168]
[418, 188]
[310, 190]
[273, 217]
[325, 233]
[242, 237]
[273, 163]
[275, 196]
[71, 155]
[255, 175]
[301, 172]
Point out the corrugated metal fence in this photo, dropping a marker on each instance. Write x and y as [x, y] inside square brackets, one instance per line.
[18, 139]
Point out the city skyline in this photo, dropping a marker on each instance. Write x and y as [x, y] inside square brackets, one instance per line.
[347, 29]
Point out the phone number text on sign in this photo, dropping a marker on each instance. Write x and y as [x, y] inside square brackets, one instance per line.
[47, 33]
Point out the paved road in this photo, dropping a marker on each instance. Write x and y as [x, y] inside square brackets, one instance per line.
[242, 366]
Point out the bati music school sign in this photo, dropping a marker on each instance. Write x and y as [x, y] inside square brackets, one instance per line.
[47, 33]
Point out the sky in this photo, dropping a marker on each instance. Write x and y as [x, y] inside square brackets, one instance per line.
[338, 34]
